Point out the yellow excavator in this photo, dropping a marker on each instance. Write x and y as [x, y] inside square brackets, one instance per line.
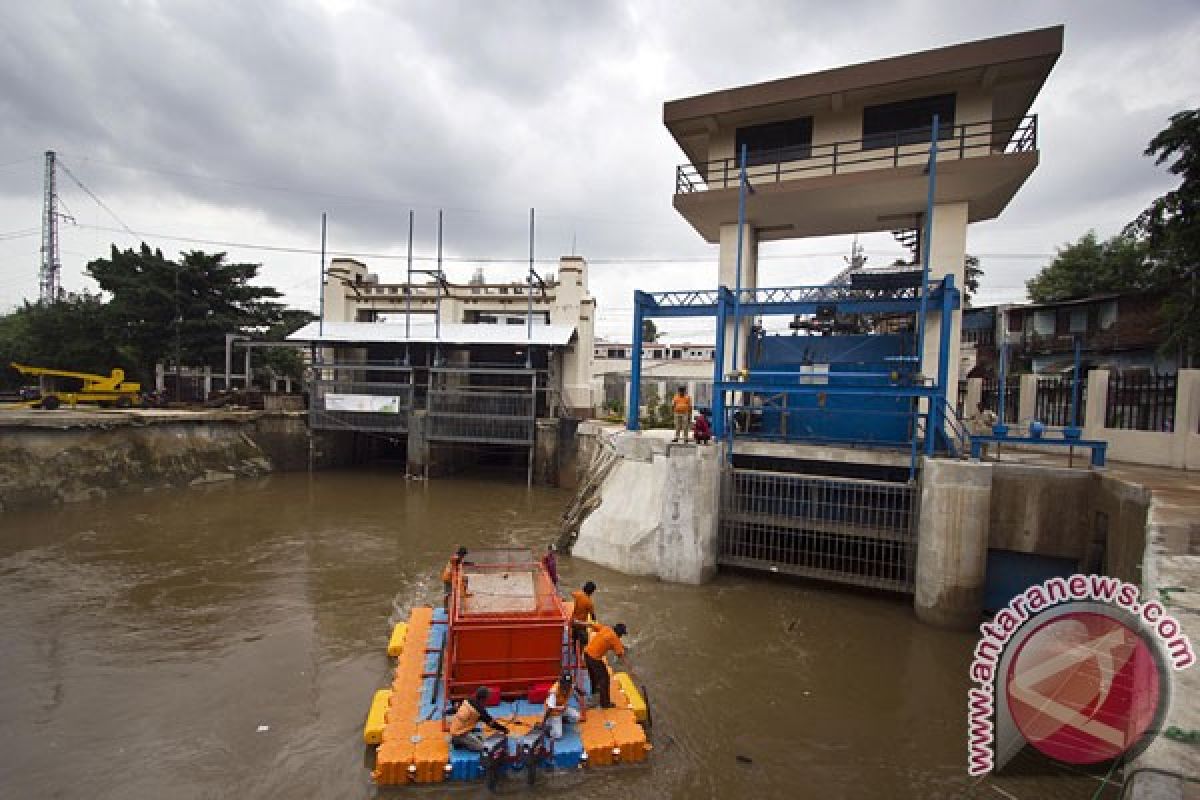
[102, 390]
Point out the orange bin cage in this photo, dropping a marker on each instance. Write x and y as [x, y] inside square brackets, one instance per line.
[507, 625]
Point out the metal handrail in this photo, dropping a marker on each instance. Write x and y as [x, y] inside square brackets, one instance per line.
[1002, 136]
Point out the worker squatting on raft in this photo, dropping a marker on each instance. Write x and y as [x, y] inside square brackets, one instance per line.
[557, 708]
[603, 640]
[448, 570]
[583, 613]
[470, 713]
[681, 405]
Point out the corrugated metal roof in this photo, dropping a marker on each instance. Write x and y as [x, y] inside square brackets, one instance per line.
[422, 330]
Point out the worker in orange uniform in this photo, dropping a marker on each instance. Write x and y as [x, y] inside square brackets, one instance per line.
[681, 404]
[470, 713]
[603, 640]
[583, 613]
[448, 570]
[557, 704]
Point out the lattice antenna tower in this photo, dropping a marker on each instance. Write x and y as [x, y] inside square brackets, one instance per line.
[51, 269]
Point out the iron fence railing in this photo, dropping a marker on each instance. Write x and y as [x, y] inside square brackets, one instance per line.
[960, 400]
[1052, 404]
[901, 148]
[1141, 402]
[859, 532]
[360, 396]
[990, 397]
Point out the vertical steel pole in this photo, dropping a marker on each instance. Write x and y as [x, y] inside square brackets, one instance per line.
[408, 292]
[927, 241]
[737, 290]
[937, 403]
[1001, 427]
[437, 303]
[719, 364]
[1075, 387]
[635, 365]
[320, 286]
[529, 290]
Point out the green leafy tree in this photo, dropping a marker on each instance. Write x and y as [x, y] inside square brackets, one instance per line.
[972, 272]
[72, 335]
[285, 361]
[649, 331]
[158, 305]
[1089, 266]
[1171, 229]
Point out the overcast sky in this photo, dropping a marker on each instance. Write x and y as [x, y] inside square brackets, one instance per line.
[241, 122]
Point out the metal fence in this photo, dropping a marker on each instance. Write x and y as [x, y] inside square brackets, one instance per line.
[990, 397]
[361, 396]
[859, 532]
[1141, 402]
[1052, 405]
[961, 400]
[483, 405]
[901, 148]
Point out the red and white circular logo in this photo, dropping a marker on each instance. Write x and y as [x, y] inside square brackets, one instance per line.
[1085, 687]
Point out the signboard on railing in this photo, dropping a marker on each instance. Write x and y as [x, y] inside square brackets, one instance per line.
[363, 403]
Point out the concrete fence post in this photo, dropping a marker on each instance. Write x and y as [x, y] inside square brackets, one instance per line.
[952, 543]
[974, 396]
[1097, 404]
[1187, 417]
[1027, 399]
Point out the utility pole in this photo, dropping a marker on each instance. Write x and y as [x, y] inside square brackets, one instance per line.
[51, 268]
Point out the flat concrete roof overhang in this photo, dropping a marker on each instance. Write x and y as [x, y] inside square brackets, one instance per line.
[859, 202]
[1012, 68]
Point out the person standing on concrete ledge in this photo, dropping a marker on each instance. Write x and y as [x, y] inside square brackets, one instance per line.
[603, 640]
[550, 562]
[681, 404]
[583, 613]
[448, 570]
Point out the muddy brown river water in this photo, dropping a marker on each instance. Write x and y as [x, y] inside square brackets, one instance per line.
[225, 642]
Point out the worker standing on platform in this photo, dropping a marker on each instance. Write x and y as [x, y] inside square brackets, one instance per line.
[681, 404]
[557, 704]
[470, 713]
[448, 571]
[583, 613]
[603, 640]
[550, 562]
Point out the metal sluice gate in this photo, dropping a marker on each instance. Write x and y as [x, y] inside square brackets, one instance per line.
[845, 530]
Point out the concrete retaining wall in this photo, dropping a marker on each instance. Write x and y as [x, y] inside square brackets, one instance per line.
[71, 456]
[1040, 510]
[657, 513]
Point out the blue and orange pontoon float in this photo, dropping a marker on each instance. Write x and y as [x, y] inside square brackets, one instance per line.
[505, 628]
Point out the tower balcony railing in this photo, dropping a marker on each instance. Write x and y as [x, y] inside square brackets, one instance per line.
[876, 151]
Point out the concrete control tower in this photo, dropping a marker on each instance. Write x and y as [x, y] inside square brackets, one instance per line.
[845, 151]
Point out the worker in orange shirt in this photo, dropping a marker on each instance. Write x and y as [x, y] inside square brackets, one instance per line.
[582, 614]
[470, 713]
[603, 640]
[681, 405]
[448, 570]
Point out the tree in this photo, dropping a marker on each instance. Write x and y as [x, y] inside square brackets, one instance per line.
[158, 305]
[286, 361]
[972, 272]
[1089, 267]
[1171, 229]
[649, 331]
[72, 334]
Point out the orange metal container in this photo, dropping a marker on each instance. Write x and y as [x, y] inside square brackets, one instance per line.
[507, 625]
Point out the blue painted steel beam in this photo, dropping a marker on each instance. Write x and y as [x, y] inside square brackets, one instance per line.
[632, 423]
[823, 388]
[721, 307]
[808, 307]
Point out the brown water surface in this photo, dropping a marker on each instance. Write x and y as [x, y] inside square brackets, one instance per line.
[225, 642]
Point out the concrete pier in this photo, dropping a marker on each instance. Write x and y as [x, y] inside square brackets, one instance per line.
[953, 542]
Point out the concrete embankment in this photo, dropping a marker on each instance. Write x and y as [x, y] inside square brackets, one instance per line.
[653, 511]
[65, 456]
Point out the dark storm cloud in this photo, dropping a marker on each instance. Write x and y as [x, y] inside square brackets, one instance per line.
[284, 109]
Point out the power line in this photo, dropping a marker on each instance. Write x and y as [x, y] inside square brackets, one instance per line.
[99, 202]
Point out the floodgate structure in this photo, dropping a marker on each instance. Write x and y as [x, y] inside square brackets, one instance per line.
[505, 628]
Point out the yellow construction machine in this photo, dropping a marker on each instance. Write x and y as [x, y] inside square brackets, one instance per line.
[102, 390]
